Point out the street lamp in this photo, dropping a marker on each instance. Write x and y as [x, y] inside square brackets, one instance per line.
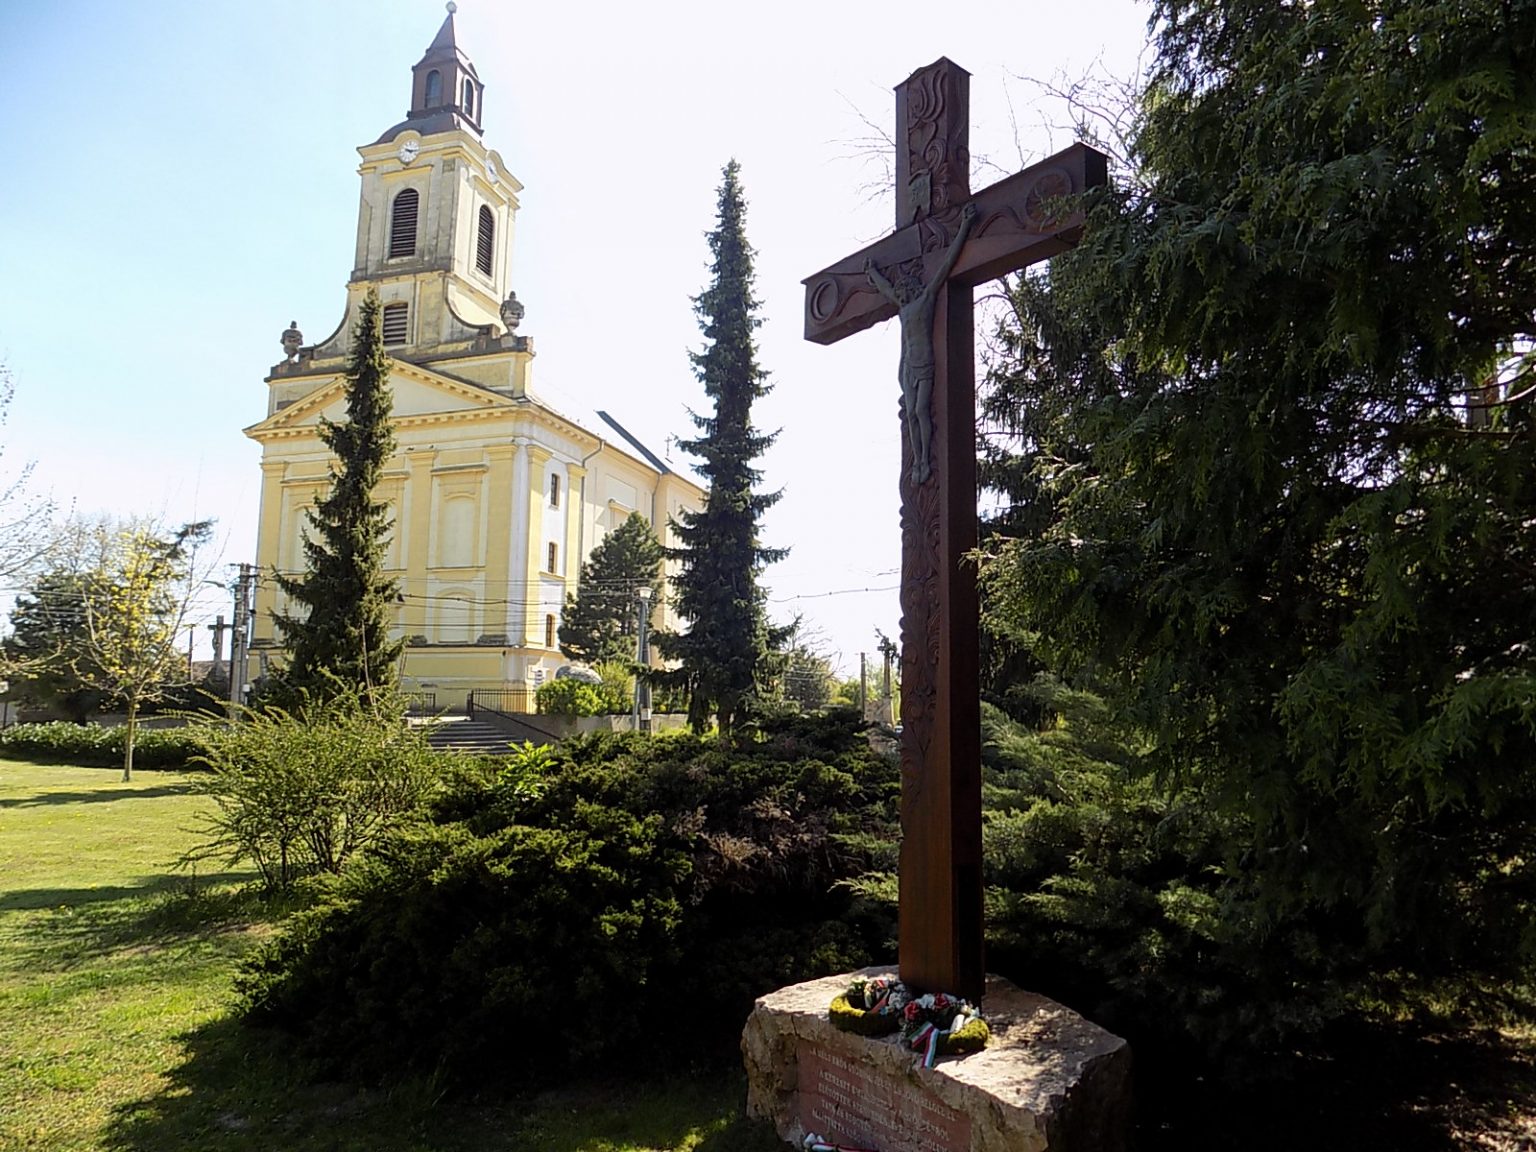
[643, 658]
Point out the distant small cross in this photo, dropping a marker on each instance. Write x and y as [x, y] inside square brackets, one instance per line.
[946, 242]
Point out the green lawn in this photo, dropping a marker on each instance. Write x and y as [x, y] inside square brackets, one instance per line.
[114, 1009]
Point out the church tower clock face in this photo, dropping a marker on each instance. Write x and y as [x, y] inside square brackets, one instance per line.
[409, 151]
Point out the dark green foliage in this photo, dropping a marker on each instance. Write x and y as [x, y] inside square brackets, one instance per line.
[48, 632]
[600, 620]
[96, 744]
[806, 678]
[617, 900]
[567, 697]
[207, 697]
[1119, 897]
[726, 656]
[1253, 508]
[342, 642]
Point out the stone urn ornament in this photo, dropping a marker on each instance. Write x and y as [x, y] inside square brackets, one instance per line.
[512, 312]
[292, 340]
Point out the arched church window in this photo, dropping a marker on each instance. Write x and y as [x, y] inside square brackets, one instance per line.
[554, 557]
[549, 631]
[397, 320]
[402, 223]
[434, 88]
[485, 240]
[469, 97]
[554, 490]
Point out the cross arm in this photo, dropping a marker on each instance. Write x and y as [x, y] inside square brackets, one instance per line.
[1015, 227]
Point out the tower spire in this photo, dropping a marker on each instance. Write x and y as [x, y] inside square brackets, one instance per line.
[445, 88]
[445, 34]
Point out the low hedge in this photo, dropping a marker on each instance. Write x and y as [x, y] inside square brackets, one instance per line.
[96, 745]
[615, 900]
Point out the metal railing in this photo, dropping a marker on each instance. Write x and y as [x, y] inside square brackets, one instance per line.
[421, 703]
[495, 706]
[508, 701]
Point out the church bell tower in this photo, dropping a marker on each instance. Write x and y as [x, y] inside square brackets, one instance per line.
[436, 218]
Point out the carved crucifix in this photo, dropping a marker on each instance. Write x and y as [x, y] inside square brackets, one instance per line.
[946, 242]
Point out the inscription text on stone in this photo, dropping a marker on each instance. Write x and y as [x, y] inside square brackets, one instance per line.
[850, 1103]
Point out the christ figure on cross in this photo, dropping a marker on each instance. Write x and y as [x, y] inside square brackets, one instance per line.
[916, 302]
[946, 242]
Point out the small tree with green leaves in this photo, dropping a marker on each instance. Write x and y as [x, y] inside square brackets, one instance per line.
[600, 619]
[301, 793]
[343, 640]
[729, 650]
[135, 608]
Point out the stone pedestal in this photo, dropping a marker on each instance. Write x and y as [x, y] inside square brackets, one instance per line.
[1048, 1079]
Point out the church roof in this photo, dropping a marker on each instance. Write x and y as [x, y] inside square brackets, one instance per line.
[599, 423]
[446, 93]
[444, 38]
[445, 47]
[651, 458]
[443, 120]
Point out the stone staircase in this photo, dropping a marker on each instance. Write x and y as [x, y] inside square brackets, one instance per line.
[461, 734]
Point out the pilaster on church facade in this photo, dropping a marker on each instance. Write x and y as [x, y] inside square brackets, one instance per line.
[496, 498]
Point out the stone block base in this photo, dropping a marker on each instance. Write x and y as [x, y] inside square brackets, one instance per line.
[1048, 1079]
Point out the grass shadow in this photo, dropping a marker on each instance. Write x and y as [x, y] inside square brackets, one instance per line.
[97, 796]
[241, 1089]
[74, 927]
[1407, 1087]
[203, 887]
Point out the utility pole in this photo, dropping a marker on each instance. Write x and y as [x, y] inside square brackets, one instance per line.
[887, 709]
[240, 638]
[643, 658]
[863, 688]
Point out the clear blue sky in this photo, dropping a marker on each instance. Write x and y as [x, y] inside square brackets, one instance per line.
[181, 183]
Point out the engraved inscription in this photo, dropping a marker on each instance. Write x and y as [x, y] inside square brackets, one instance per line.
[851, 1103]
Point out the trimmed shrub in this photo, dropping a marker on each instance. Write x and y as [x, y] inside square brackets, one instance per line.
[299, 794]
[625, 901]
[569, 697]
[97, 745]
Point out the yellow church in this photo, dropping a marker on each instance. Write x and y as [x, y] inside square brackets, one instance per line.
[496, 496]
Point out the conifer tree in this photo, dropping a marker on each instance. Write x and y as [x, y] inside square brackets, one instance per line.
[48, 632]
[599, 622]
[343, 641]
[1276, 419]
[728, 650]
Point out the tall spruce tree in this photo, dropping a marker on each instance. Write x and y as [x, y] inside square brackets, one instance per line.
[600, 621]
[728, 650]
[343, 640]
[1279, 474]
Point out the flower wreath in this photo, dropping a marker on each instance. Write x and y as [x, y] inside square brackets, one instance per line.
[933, 1024]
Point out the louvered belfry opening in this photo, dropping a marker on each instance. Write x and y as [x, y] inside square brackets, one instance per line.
[485, 240]
[397, 322]
[402, 223]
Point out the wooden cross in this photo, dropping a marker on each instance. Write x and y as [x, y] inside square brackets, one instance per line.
[945, 243]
